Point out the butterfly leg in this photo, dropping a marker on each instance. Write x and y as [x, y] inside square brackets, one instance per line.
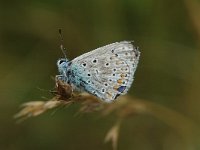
[60, 78]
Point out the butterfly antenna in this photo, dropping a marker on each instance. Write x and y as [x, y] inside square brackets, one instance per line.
[63, 49]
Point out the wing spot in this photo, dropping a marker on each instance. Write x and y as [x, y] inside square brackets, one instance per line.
[122, 75]
[117, 96]
[121, 89]
[94, 61]
[89, 74]
[112, 57]
[124, 69]
[84, 64]
[94, 93]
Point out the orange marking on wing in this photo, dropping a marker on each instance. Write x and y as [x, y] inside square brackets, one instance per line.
[122, 75]
[116, 87]
[109, 95]
[120, 81]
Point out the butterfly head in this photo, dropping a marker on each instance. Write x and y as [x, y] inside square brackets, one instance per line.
[62, 64]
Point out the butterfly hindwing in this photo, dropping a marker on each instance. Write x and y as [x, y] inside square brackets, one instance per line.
[106, 72]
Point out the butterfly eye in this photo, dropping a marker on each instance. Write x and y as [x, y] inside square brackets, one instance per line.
[61, 61]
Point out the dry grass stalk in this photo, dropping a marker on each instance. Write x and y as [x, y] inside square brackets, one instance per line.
[123, 108]
[113, 135]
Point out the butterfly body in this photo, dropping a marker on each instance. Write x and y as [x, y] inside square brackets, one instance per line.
[106, 72]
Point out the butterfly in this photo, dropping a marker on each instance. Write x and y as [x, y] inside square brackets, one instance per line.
[106, 72]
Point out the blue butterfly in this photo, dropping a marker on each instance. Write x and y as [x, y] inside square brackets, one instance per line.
[106, 72]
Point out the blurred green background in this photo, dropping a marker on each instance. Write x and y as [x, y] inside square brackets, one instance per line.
[168, 34]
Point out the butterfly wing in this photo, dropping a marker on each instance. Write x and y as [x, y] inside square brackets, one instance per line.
[106, 72]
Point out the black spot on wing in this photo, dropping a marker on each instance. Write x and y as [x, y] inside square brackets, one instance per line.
[117, 96]
[121, 90]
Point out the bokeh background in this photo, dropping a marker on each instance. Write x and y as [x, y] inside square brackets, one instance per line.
[168, 75]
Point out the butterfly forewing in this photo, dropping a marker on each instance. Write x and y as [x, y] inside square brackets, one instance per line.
[106, 72]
